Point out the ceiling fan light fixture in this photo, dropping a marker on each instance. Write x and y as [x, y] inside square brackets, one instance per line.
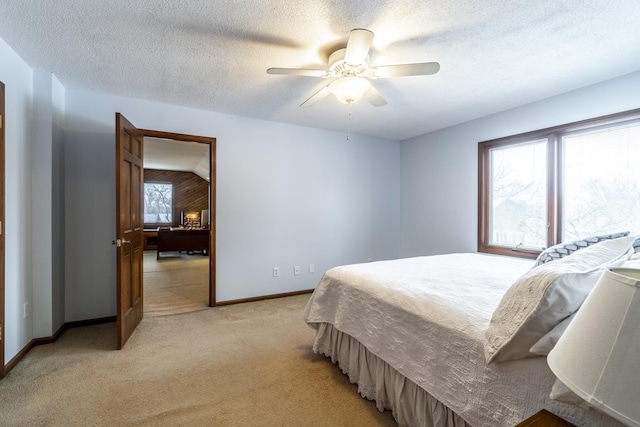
[349, 89]
[349, 72]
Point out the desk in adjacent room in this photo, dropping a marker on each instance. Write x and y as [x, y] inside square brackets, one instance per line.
[182, 240]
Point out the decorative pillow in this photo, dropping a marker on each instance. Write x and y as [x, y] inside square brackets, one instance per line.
[544, 345]
[561, 250]
[545, 295]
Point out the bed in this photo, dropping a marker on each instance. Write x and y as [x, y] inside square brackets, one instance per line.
[413, 334]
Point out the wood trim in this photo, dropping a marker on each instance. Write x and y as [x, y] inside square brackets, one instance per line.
[264, 297]
[212, 196]
[2, 228]
[565, 128]
[177, 136]
[88, 322]
[483, 209]
[545, 418]
[213, 227]
[483, 183]
[49, 340]
[553, 186]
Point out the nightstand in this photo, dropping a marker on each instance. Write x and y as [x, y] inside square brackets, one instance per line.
[546, 419]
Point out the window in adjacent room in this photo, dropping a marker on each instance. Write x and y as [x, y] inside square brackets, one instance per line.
[158, 203]
[559, 184]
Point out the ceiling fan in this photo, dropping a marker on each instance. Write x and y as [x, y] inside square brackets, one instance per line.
[350, 72]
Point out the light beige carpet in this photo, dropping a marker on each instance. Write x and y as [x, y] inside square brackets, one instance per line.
[240, 365]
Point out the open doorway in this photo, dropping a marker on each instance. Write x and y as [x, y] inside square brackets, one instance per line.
[129, 222]
[176, 210]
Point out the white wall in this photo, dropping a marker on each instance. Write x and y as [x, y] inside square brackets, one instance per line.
[439, 171]
[286, 195]
[46, 206]
[18, 80]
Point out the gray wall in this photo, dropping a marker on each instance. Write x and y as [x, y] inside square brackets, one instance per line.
[286, 196]
[18, 80]
[47, 205]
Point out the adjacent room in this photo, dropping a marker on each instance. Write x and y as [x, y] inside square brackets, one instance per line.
[319, 213]
[176, 226]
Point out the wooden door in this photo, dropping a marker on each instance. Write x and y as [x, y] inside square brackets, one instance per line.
[2, 226]
[129, 247]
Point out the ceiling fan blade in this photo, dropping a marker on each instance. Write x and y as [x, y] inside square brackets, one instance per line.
[374, 97]
[316, 97]
[401, 70]
[297, 72]
[358, 46]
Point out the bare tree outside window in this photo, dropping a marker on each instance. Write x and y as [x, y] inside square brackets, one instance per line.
[559, 184]
[517, 195]
[158, 203]
[601, 181]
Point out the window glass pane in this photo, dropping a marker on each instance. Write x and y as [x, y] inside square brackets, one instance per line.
[601, 182]
[518, 195]
[158, 202]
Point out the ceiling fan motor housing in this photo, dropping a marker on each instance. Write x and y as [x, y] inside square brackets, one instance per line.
[339, 68]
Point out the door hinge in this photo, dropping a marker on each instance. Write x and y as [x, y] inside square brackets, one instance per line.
[117, 242]
[0, 332]
[0, 228]
[0, 121]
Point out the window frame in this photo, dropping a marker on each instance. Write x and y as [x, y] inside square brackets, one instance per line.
[159, 224]
[553, 135]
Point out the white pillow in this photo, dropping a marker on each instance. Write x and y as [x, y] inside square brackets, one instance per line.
[545, 344]
[564, 394]
[545, 295]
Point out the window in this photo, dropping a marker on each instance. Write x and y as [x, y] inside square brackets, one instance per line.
[559, 184]
[158, 203]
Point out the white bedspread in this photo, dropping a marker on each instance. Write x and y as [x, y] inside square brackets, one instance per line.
[426, 317]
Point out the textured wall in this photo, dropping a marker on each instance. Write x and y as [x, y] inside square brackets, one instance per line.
[190, 192]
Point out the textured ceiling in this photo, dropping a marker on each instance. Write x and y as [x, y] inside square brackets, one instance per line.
[213, 55]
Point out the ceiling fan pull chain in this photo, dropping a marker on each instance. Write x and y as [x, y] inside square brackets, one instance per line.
[349, 125]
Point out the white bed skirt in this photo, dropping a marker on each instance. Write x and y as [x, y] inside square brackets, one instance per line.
[410, 404]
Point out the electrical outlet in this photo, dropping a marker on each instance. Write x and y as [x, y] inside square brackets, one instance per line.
[312, 268]
[25, 310]
[276, 272]
[296, 270]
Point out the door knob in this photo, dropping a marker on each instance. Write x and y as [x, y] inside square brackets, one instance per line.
[120, 242]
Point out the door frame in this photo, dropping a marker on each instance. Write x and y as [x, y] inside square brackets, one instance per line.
[2, 228]
[212, 195]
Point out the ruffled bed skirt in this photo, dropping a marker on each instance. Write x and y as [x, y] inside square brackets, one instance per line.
[410, 404]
